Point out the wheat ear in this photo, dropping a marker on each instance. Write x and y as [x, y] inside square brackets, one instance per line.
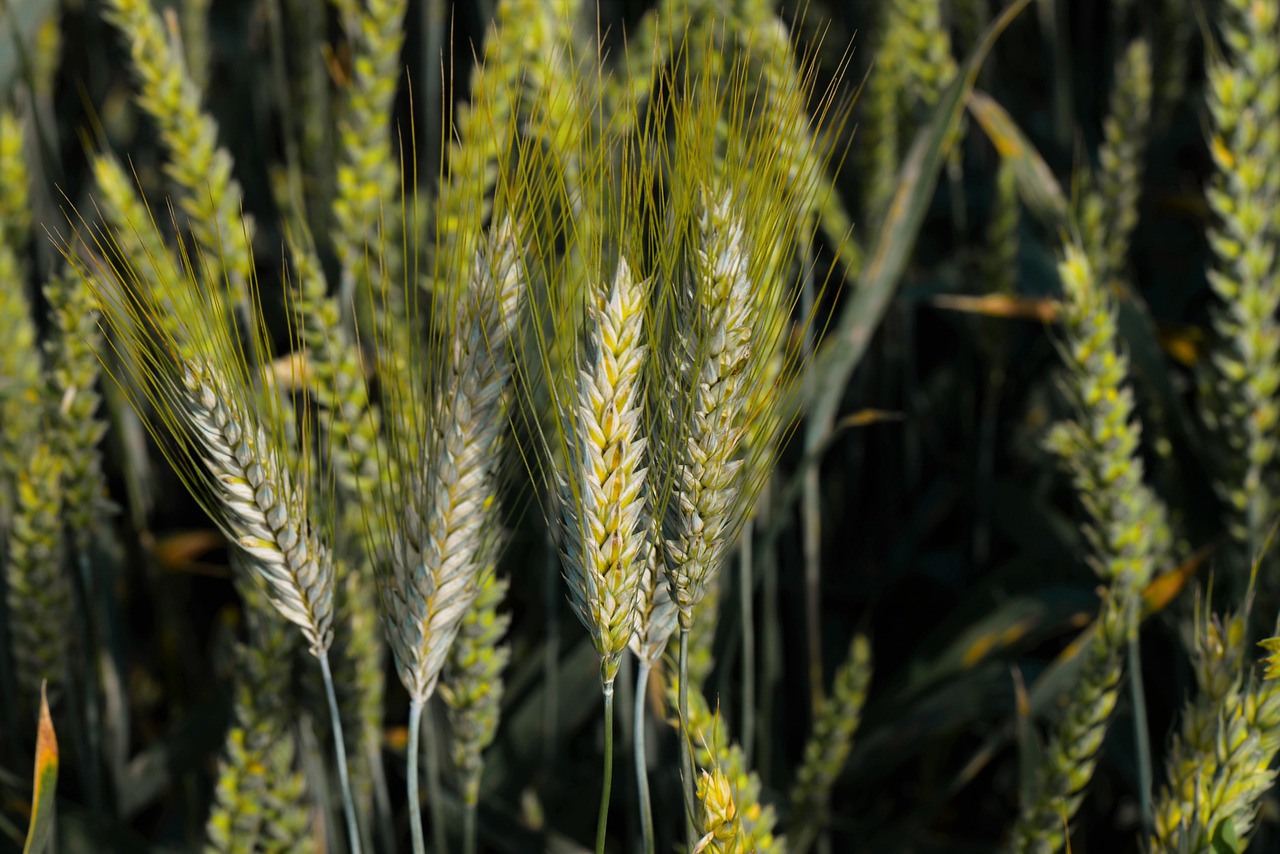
[197, 164]
[602, 531]
[699, 520]
[1243, 195]
[602, 499]
[450, 527]
[39, 589]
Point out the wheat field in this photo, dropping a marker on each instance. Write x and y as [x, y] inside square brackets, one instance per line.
[639, 425]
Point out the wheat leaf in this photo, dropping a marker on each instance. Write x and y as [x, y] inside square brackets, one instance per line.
[843, 349]
[40, 832]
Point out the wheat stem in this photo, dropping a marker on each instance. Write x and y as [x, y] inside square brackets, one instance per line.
[415, 802]
[340, 748]
[686, 752]
[746, 566]
[641, 758]
[469, 828]
[602, 823]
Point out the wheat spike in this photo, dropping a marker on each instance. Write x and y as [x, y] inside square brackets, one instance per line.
[700, 520]
[73, 375]
[472, 684]
[449, 525]
[602, 498]
[1243, 194]
[197, 164]
[39, 589]
[264, 507]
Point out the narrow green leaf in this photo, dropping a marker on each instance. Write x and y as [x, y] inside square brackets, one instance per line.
[843, 349]
[40, 833]
[1038, 188]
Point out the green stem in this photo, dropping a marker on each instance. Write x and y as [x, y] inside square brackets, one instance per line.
[641, 760]
[746, 560]
[415, 802]
[1141, 736]
[469, 828]
[686, 750]
[340, 748]
[602, 822]
[435, 794]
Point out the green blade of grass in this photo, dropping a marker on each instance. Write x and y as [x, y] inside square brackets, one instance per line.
[40, 832]
[1037, 187]
[844, 347]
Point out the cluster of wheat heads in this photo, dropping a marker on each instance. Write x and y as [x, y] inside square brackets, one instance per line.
[364, 456]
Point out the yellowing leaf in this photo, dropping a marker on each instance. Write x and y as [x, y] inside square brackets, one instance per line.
[40, 832]
[1001, 305]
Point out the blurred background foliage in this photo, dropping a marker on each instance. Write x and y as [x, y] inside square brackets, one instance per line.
[946, 531]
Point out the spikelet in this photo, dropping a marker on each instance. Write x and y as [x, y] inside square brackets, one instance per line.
[210, 196]
[603, 525]
[834, 725]
[472, 685]
[73, 375]
[38, 586]
[445, 524]
[1244, 378]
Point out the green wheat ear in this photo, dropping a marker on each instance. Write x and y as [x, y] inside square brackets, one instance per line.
[1243, 376]
[38, 585]
[209, 194]
[1128, 535]
[835, 723]
[753, 821]
[74, 372]
[260, 802]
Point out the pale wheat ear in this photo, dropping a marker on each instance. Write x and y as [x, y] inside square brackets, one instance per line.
[227, 426]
